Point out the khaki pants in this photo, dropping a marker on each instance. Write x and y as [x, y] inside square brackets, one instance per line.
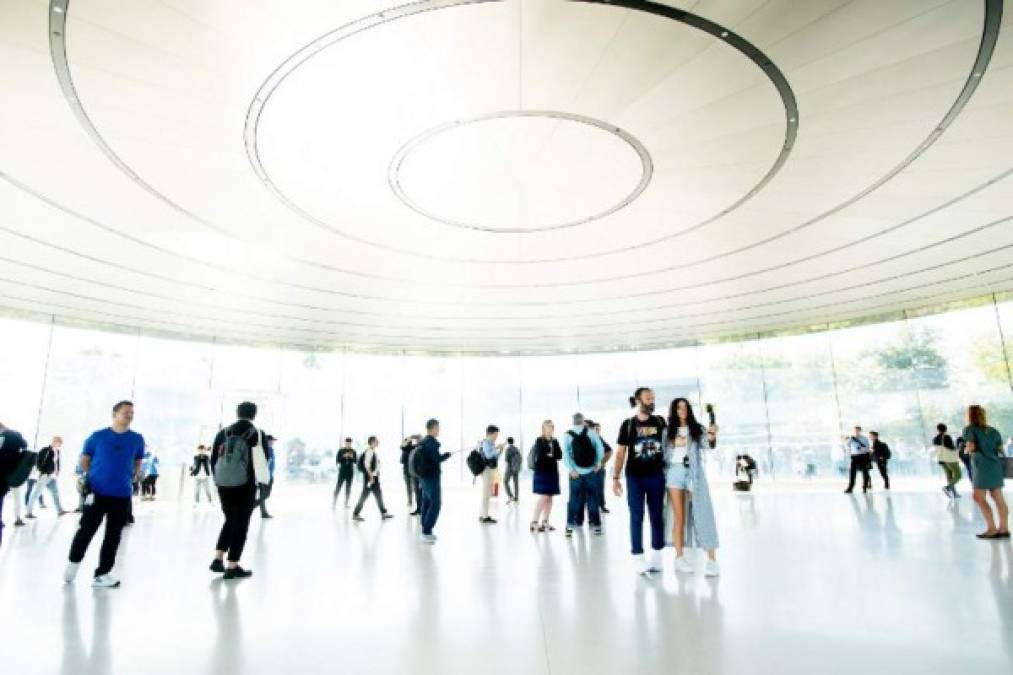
[487, 480]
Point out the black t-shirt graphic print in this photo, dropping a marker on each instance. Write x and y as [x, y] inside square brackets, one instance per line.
[644, 440]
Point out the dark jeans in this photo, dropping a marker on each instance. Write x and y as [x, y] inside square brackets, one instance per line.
[599, 478]
[237, 505]
[432, 500]
[881, 465]
[583, 493]
[512, 477]
[410, 488]
[115, 510]
[148, 485]
[377, 493]
[860, 463]
[346, 480]
[649, 490]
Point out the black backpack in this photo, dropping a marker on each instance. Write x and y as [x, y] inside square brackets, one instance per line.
[476, 462]
[584, 453]
[361, 462]
[419, 465]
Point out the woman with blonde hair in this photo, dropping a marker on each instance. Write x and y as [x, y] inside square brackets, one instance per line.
[984, 444]
[544, 461]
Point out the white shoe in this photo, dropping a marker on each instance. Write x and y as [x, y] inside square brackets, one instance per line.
[654, 561]
[683, 566]
[105, 581]
[70, 573]
[640, 565]
[428, 538]
[710, 568]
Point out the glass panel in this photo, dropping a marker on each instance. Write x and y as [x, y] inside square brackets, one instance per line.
[432, 389]
[23, 364]
[310, 422]
[549, 391]
[373, 394]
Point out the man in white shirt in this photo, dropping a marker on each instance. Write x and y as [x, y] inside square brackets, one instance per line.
[491, 453]
[860, 450]
[369, 464]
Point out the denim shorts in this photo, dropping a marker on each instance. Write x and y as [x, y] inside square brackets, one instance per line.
[677, 476]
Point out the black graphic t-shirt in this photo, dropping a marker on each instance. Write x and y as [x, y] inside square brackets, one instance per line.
[644, 440]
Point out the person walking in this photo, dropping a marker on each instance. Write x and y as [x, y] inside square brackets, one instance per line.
[511, 476]
[149, 469]
[239, 466]
[686, 482]
[881, 456]
[110, 459]
[984, 444]
[491, 452]
[965, 458]
[583, 454]
[947, 457]
[427, 461]
[600, 474]
[860, 452]
[47, 466]
[345, 459]
[369, 465]
[543, 460]
[410, 483]
[201, 472]
[267, 490]
[12, 448]
[640, 452]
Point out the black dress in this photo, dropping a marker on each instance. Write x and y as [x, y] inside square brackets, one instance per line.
[548, 454]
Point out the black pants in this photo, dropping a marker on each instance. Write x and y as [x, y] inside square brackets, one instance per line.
[237, 505]
[512, 477]
[881, 465]
[265, 494]
[346, 480]
[860, 463]
[410, 488]
[148, 486]
[115, 511]
[368, 488]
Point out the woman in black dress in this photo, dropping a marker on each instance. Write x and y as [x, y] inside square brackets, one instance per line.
[546, 453]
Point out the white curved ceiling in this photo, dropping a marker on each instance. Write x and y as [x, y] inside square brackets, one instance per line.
[501, 175]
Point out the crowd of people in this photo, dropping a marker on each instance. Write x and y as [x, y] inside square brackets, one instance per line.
[657, 464]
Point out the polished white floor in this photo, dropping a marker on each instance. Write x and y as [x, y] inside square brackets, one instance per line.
[813, 581]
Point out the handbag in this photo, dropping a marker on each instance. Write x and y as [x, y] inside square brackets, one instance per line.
[1009, 467]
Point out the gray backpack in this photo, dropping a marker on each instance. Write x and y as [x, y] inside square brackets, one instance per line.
[232, 468]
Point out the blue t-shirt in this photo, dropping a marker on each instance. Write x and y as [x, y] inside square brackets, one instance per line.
[112, 461]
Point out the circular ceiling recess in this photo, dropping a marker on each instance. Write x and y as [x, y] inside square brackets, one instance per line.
[520, 171]
[532, 150]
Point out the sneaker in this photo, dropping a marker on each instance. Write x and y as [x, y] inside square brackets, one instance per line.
[597, 531]
[568, 531]
[387, 516]
[946, 491]
[217, 566]
[105, 581]
[61, 513]
[954, 493]
[414, 513]
[428, 538]
[487, 520]
[683, 566]
[358, 519]
[30, 516]
[19, 523]
[654, 561]
[266, 515]
[237, 572]
[604, 510]
[70, 573]
[640, 565]
[710, 568]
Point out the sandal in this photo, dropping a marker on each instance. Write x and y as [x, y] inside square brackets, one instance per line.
[534, 525]
[546, 527]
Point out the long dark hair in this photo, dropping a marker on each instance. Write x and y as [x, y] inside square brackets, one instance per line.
[695, 428]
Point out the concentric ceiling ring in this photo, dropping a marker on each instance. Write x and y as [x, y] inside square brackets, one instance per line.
[646, 168]
[301, 56]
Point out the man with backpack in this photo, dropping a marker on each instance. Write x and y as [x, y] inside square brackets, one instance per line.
[490, 452]
[47, 465]
[369, 465]
[346, 460]
[513, 459]
[583, 454]
[425, 463]
[239, 466]
[110, 459]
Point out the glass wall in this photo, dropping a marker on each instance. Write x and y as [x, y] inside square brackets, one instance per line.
[785, 399]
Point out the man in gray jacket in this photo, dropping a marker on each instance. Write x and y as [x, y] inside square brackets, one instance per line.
[513, 460]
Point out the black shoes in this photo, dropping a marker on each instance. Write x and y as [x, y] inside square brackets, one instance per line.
[217, 566]
[237, 572]
[386, 516]
[487, 520]
[414, 513]
[266, 515]
[604, 510]
[357, 518]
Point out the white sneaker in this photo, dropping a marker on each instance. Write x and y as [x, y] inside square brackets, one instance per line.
[710, 568]
[105, 581]
[654, 561]
[684, 566]
[640, 565]
[70, 573]
[428, 538]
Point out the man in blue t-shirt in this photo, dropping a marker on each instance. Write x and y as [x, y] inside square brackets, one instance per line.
[110, 460]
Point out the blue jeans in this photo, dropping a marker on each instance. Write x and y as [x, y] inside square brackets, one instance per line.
[583, 492]
[649, 489]
[431, 503]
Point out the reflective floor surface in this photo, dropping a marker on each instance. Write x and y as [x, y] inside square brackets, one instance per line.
[812, 581]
